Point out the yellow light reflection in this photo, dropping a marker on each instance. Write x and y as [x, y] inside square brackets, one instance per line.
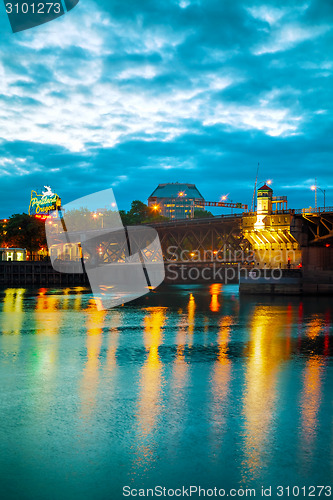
[215, 290]
[65, 302]
[267, 348]
[77, 306]
[48, 320]
[180, 366]
[94, 328]
[13, 310]
[149, 404]
[315, 326]
[191, 317]
[116, 322]
[48, 315]
[178, 385]
[310, 404]
[12, 319]
[220, 385]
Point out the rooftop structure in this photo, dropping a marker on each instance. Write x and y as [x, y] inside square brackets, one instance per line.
[176, 200]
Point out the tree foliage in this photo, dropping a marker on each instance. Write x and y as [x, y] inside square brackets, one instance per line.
[202, 214]
[24, 231]
[84, 218]
[140, 213]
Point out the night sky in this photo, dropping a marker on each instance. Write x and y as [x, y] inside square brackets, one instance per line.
[132, 94]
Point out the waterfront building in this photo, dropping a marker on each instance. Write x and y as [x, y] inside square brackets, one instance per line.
[13, 254]
[269, 231]
[176, 200]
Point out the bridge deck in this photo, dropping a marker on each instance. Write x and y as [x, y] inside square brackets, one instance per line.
[196, 222]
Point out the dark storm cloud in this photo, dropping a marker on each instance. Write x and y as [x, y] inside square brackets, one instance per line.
[132, 94]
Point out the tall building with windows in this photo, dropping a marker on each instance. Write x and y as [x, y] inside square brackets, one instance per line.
[176, 200]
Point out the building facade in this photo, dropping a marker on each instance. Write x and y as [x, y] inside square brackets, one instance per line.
[176, 200]
[269, 231]
[13, 254]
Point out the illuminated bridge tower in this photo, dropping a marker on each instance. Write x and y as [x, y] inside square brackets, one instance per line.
[269, 231]
[264, 206]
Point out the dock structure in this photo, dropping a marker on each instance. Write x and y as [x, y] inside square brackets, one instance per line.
[39, 273]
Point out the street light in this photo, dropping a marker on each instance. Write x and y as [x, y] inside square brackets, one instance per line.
[315, 188]
[268, 182]
[324, 193]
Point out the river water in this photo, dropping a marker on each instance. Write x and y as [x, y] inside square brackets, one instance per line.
[191, 385]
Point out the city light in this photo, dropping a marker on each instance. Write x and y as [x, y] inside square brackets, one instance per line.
[269, 182]
[181, 193]
[315, 188]
[156, 207]
[224, 197]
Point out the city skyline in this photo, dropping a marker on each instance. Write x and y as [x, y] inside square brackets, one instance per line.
[140, 94]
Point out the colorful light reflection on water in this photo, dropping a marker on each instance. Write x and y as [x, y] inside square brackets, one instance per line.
[188, 386]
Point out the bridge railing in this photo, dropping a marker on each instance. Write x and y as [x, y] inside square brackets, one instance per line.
[195, 220]
[274, 212]
[312, 210]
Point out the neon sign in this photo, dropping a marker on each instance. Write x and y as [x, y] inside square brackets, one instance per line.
[43, 204]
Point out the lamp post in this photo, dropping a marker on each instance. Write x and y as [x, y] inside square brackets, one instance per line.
[324, 193]
[315, 188]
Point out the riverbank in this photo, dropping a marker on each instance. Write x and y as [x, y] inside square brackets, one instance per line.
[251, 281]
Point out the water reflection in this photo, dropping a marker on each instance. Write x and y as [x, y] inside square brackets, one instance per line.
[191, 318]
[266, 349]
[12, 312]
[149, 404]
[311, 393]
[310, 404]
[94, 326]
[12, 319]
[215, 291]
[47, 321]
[201, 381]
[220, 387]
[178, 392]
[113, 340]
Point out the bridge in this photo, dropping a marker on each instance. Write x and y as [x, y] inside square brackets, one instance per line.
[202, 239]
[284, 228]
[316, 226]
[270, 238]
[287, 239]
[278, 240]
